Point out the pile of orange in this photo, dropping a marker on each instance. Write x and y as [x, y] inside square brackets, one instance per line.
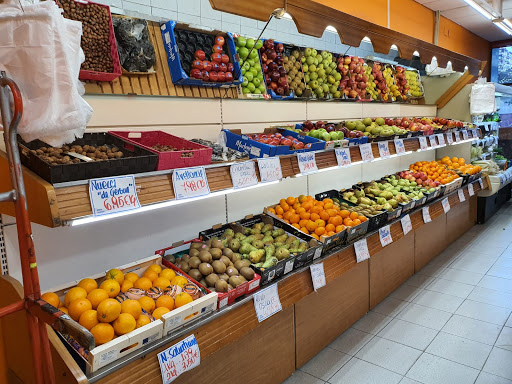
[460, 164]
[107, 313]
[435, 171]
[315, 218]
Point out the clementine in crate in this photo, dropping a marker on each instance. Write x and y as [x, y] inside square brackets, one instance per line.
[124, 324]
[143, 283]
[161, 282]
[151, 275]
[108, 310]
[155, 268]
[102, 333]
[51, 298]
[73, 294]
[142, 321]
[131, 276]
[88, 284]
[168, 274]
[96, 296]
[147, 304]
[89, 319]
[64, 309]
[182, 299]
[115, 274]
[126, 285]
[157, 313]
[132, 307]
[111, 286]
[180, 281]
[165, 301]
[77, 307]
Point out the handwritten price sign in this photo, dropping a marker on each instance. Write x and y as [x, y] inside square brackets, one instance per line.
[440, 139]
[343, 157]
[318, 276]
[406, 224]
[307, 163]
[449, 138]
[361, 248]
[471, 190]
[433, 142]
[462, 198]
[465, 134]
[426, 215]
[384, 149]
[457, 136]
[190, 182]
[270, 169]
[399, 147]
[446, 205]
[385, 235]
[243, 174]
[267, 303]
[113, 195]
[423, 142]
[179, 358]
[366, 152]
[474, 132]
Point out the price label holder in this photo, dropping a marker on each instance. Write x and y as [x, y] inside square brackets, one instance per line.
[474, 132]
[385, 235]
[465, 134]
[267, 303]
[440, 139]
[361, 248]
[481, 183]
[462, 198]
[179, 358]
[457, 136]
[406, 224]
[446, 205]
[471, 190]
[423, 142]
[366, 152]
[432, 140]
[343, 157]
[270, 169]
[318, 276]
[243, 174]
[307, 163]
[288, 267]
[426, 215]
[110, 195]
[449, 138]
[399, 147]
[384, 150]
[190, 182]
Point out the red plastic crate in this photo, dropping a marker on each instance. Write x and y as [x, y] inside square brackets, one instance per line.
[201, 155]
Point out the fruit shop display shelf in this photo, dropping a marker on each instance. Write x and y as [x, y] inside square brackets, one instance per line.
[59, 204]
[230, 327]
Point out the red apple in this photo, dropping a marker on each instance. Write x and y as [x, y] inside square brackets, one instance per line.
[199, 54]
[205, 75]
[231, 67]
[268, 44]
[197, 64]
[219, 40]
[196, 73]
[223, 67]
[216, 67]
[207, 66]
[214, 76]
[224, 58]
[229, 76]
[221, 77]
[217, 57]
[279, 47]
[217, 49]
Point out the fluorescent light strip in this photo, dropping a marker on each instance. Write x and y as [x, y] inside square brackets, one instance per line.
[477, 7]
[503, 27]
[507, 23]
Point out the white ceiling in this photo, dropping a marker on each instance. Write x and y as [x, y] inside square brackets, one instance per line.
[461, 13]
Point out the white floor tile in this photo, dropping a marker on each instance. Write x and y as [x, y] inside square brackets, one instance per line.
[505, 339]
[439, 301]
[410, 334]
[496, 283]
[326, 363]
[490, 296]
[463, 351]
[351, 341]
[461, 276]
[500, 271]
[481, 257]
[499, 363]
[390, 306]
[300, 377]
[509, 322]
[406, 292]
[372, 322]
[420, 281]
[451, 288]
[406, 380]
[472, 329]
[485, 247]
[431, 369]
[432, 270]
[360, 372]
[482, 311]
[487, 378]
[472, 266]
[504, 262]
[425, 316]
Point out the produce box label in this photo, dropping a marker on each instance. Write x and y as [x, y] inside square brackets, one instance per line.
[446, 205]
[288, 267]
[307, 163]
[406, 224]
[385, 235]
[267, 303]
[465, 134]
[361, 248]
[179, 358]
[457, 136]
[462, 198]
[384, 150]
[470, 189]
[399, 147]
[270, 169]
[433, 142]
[440, 139]
[426, 215]
[110, 195]
[366, 152]
[190, 182]
[343, 157]
[423, 143]
[318, 276]
[243, 174]
[449, 138]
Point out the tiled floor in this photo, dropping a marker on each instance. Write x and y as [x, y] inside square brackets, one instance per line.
[451, 323]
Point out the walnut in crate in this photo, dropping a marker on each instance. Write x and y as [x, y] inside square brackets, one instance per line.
[170, 148]
[57, 156]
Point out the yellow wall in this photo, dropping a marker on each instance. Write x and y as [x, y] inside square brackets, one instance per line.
[458, 39]
[376, 13]
[412, 18]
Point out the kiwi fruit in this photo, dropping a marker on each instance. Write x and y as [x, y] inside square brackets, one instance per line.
[196, 245]
[221, 286]
[193, 252]
[235, 257]
[216, 253]
[205, 256]
[194, 262]
[185, 258]
[230, 287]
[243, 279]
[211, 279]
[205, 269]
[235, 281]
[227, 252]
[242, 263]
[195, 274]
[232, 271]
[225, 260]
[184, 266]
[217, 244]
[219, 266]
[170, 258]
[223, 276]
[247, 272]
[203, 283]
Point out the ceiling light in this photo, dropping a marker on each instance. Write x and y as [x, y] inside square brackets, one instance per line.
[507, 23]
[477, 7]
[503, 27]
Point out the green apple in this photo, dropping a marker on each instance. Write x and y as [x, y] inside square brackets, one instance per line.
[313, 75]
[253, 54]
[254, 71]
[249, 75]
[241, 41]
[257, 91]
[305, 68]
[262, 88]
[243, 52]
[325, 136]
[246, 66]
[251, 87]
[259, 44]
[314, 133]
[337, 76]
[256, 82]
[245, 90]
[249, 43]
[367, 121]
[245, 81]
[310, 60]
[308, 52]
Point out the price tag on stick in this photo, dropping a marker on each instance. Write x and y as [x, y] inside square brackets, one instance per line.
[366, 152]
[113, 195]
[179, 358]
[318, 276]
[343, 157]
[267, 303]
[423, 142]
[385, 235]
[361, 248]
[307, 163]
[449, 138]
[462, 198]
[399, 147]
[270, 169]
[470, 189]
[406, 224]
[190, 182]
[446, 205]
[481, 183]
[243, 174]
[384, 149]
[426, 215]
[440, 139]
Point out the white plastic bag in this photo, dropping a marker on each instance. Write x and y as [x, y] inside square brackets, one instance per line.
[482, 98]
[40, 51]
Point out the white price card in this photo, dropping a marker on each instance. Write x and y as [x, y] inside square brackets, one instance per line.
[190, 182]
[270, 169]
[481, 183]
[433, 142]
[385, 235]
[288, 266]
[426, 215]
[465, 134]
[243, 174]
[113, 195]
[475, 134]
[423, 142]
[179, 358]
[470, 189]
[399, 147]
[384, 149]
[362, 252]
[318, 276]
[307, 163]
[462, 198]
[406, 224]
[440, 139]
[457, 136]
[267, 303]
[449, 138]
[446, 205]
[343, 157]
[366, 152]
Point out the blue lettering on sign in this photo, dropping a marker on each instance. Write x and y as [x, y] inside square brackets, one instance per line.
[306, 156]
[103, 184]
[187, 175]
[178, 349]
[242, 147]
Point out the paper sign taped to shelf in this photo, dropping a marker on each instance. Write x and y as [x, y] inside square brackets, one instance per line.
[433, 142]
[462, 198]
[179, 358]
[243, 174]
[426, 215]
[288, 267]
[465, 134]
[399, 147]
[190, 182]
[270, 169]
[446, 205]
[481, 183]
[110, 195]
[470, 189]
[318, 276]
[440, 139]
[343, 157]
[457, 136]
[423, 142]
[406, 224]
[366, 152]
[307, 163]
[449, 138]
[474, 132]
[362, 252]
[267, 303]
[384, 149]
[385, 235]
